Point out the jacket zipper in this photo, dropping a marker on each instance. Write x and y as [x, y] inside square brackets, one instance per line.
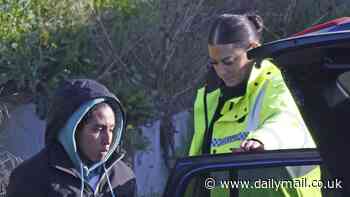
[105, 174]
[75, 175]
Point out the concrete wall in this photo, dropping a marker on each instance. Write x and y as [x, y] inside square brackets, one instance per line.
[23, 132]
[151, 172]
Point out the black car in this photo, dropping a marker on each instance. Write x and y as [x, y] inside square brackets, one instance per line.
[317, 65]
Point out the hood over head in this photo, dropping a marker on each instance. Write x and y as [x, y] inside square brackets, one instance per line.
[71, 102]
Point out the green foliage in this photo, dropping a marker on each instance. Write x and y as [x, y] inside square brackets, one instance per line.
[44, 41]
[15, 19]
[127, 7]
[51, 34]
[29, 32]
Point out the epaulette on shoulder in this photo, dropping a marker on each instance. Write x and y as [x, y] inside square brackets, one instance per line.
[269, 68]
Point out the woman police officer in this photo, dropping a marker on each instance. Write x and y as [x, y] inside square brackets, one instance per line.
[246, 106]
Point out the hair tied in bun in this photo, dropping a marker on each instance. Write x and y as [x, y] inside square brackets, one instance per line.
[257, 21]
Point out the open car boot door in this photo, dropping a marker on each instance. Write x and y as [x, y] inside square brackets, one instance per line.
[317, 65]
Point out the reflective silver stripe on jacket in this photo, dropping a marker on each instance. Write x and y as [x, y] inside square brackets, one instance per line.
[252, 123]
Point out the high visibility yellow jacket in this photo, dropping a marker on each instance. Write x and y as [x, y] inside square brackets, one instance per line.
[266, 112]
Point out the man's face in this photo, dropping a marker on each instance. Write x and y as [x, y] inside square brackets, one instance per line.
[95, 137]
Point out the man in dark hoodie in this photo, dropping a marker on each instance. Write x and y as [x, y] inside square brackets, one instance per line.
[82, 156]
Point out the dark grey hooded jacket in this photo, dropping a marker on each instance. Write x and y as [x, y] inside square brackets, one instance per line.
[58, 170]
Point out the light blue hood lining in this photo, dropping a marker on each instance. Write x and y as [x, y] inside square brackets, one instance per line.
[66, 135]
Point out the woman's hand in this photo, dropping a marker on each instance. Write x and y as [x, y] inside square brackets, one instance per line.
[250, 145]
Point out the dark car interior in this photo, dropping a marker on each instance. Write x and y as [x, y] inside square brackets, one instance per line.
[320, 79]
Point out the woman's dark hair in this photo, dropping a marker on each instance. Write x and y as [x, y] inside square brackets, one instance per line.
[238, 29]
